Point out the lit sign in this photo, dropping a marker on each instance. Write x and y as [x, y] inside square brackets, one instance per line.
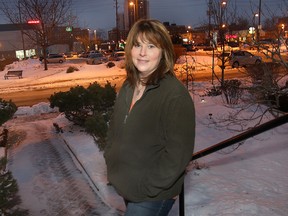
[231, 36]
[69, 29]
[251, 30]
[33, 21]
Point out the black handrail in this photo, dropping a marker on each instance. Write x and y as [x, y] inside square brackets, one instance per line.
[231, 141]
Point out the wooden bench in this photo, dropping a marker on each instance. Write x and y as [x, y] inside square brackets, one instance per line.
[14, 73]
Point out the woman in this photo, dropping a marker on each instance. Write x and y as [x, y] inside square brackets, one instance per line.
[151, 135]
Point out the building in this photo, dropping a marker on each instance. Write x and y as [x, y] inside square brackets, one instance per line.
[133, 11]
[71, 38]
[178, 33]
[15, 38]
[119, 34]
[143, 9]
[13, 42]
[283, 26]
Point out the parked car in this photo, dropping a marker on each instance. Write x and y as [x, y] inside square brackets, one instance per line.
[204, 46]
[54, 58]
[227, 48]
[233, 44]
[190, 47]
[261, 45]
[83, 54]
[249, 46]
[106, 52]
[94, 51]
[239, 58]
[117, 56]
[86, 54]
[96, 58]
[69, 54]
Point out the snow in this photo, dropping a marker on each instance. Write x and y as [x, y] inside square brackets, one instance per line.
[250, 179]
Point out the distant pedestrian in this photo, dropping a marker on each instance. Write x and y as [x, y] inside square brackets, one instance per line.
[151, 135]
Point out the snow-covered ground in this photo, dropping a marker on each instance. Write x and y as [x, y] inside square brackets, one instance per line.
[250, 179]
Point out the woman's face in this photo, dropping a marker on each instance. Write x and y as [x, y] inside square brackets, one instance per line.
[146, 57]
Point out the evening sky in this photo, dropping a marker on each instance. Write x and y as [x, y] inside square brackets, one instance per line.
[101, 14]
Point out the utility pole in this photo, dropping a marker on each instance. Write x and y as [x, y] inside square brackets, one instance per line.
[259, 22]
[223, 4]
[117, 24]
[136, 10]
[21, 28]
[211, 38]
[209, 20]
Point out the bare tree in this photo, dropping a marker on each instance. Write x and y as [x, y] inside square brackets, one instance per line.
[101, 34]
[223, 11]
[85, 40]
[222, 14]
[45, 16]
[266, 85]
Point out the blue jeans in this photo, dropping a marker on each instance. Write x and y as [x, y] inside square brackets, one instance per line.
[149, 208]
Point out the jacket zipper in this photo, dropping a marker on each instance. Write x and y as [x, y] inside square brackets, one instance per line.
[129, 110]
[125, 119]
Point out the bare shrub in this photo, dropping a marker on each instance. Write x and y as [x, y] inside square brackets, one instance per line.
[231, 91]
[269, 84]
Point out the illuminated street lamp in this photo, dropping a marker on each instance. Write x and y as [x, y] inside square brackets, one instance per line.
[254, 24]
[222, 6]
[222, 26]
[132, 14]
[88, 30]
[95, 39]
[259, 27]
[95, 36]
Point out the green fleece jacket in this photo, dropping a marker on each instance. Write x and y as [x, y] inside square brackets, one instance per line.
[149, 147]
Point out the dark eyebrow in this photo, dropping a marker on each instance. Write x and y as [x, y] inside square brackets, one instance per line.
[136, 43]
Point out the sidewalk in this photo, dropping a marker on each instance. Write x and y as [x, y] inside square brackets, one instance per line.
[90, 161]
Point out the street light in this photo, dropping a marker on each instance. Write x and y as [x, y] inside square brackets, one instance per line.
[259, 27]
[254, 24]
[222, 6]
[88, 45]
[88, 30]
[132, 13]
[222, 26]
[21, 26]
[95, 39]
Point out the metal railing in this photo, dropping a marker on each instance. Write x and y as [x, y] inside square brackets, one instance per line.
[233, 140]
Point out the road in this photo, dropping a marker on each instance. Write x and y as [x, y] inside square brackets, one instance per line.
[35, 94]
[49, 181]
[32, 97]
[29, 98]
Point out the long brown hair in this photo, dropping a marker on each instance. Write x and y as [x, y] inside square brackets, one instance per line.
[155, 32]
